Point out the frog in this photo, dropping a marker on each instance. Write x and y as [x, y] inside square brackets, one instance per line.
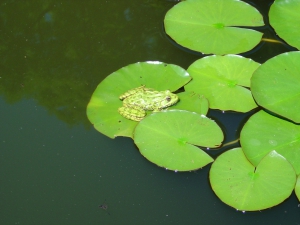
[138, 100]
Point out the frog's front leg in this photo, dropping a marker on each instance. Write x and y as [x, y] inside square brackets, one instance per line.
[132, 112]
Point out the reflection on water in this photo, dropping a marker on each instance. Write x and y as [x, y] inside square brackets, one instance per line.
[57, 52]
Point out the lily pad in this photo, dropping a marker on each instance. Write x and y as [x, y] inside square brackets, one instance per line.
[297, 188]
[192, 102]
[285, 19]
[275, 85]
[223, 80]
[263, 133]
[102, 109]
[168, 139]
[242, 186]
[212, 26]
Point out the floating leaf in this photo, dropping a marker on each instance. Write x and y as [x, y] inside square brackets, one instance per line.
[275, 85]
[102, 109]
[211, 26]
[263, 133]
[222, 80]
[168, 139]
[192, 102]
[284, 18]
[242, 186]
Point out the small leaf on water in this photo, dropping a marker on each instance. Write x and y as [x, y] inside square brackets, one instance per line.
[242, 186]
[263, 133]
[284, 18]
[275, 85]
[223, 80]
[168, 139]
[102, 109]
[211, 27]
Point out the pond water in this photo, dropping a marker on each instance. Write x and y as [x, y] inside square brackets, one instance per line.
[55, 167]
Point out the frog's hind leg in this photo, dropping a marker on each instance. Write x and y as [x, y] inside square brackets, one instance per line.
[134, 113]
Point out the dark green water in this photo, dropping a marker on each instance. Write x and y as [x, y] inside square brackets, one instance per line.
[54, 167]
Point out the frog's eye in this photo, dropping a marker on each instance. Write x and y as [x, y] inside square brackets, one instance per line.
[168, 98]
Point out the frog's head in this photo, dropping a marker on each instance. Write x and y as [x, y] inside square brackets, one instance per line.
[169, 99]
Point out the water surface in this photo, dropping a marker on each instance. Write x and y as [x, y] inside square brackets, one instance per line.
[55, 168]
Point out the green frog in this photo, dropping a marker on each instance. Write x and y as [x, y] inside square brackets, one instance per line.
[136, 101]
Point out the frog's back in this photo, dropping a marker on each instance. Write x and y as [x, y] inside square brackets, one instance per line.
[135, 91]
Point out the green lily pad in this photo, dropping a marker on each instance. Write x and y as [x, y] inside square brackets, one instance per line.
[242, 186]
[285, 19]
[168, 139]
[297, 188]
[275, 85]
[223, 81]
[102, 109]
[263, 133]
[211, 26]
[192, 102]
